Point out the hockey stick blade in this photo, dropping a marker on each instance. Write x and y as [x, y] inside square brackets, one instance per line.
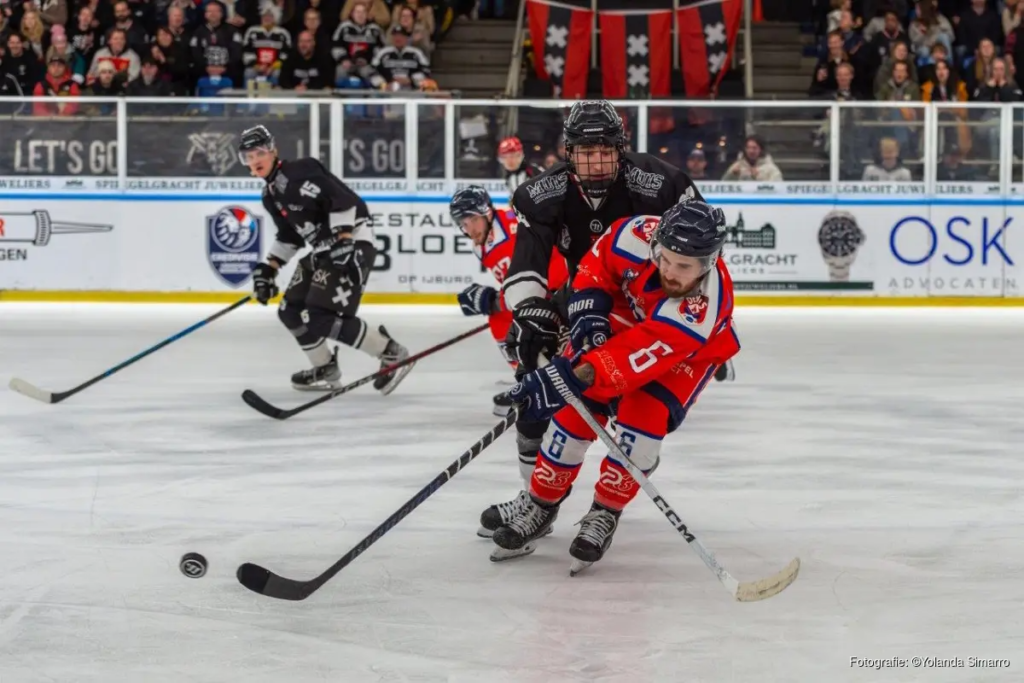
[32, 391]
[258, 403]
[265, 582]
[773, 585]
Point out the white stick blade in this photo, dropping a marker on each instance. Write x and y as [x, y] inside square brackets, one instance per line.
[26, 389]
[773, 585]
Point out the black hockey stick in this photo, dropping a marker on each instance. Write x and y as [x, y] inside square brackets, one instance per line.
[258, 403]
[266, 582]
[32, 391]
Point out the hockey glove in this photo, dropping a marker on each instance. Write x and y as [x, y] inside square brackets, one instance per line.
[535, 330]
[588, 318]
[478, 300]
[544, 392]
[264, 282]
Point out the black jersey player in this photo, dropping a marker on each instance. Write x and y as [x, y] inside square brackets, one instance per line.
[310, 206]
[569, 207]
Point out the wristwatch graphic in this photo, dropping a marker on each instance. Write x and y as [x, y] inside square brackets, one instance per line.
[839, 237]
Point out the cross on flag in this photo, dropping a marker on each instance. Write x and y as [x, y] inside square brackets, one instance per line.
[636, 54]
[707, 36]
[561, 45]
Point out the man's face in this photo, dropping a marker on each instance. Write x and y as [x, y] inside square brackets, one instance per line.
[843, 78]
[892, 23]
[175, 17]
[312, 18]
[121, 12]
[678, 274]
[106, 75]
[998, 69]
[399, 40]
[696, 164]
[56, 70]
[213, 14]
[149, 72]
[953, 159]
[116, 42]
[359, 14]
[835, 45]
[596, 162]
[14, 45]
[305, 44]
[899, 73]
[260, 161]
[476, 228]
[511, 161]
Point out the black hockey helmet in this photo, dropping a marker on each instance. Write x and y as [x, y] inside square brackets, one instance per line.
[257, 137]
[593, 122]
[470, 201]
[691, 228]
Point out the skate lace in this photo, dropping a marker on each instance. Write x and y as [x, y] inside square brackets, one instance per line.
[511, 508]
[596, 526]
[529, 520]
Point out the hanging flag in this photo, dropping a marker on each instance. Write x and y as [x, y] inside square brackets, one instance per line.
[636, 54]
[560, 35]
[707, 36]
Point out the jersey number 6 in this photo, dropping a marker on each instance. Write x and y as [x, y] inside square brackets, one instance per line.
[645, 358]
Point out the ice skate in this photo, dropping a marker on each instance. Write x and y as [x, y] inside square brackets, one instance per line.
[501, 404]
[394, 353]
[725, 372]
[594, 538]
[325, 377]
[503, 513]
[518, 537]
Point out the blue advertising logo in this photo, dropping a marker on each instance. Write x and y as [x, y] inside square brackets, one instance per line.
[233, 243]
[969, 244]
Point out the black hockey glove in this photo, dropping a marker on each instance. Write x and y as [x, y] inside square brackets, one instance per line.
[536, 328]
[264, 282]
[342, 257]
[479, 300]
[588, 318]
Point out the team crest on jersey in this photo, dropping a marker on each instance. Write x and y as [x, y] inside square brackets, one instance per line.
[645, 230]
[233, 243]
[694, 309]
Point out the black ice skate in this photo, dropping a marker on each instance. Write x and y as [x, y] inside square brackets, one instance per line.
[503, 513]
[501, 404]
[594, 538]
[725, 372]
[322, 378]
[517, 538]
[394, 353]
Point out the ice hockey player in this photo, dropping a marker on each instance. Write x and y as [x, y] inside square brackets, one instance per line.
[568, 207]
[493, 234]
[652, 313]
[311, 206]
[513, 160]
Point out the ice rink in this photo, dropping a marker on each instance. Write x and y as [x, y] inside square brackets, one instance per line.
[882, 447]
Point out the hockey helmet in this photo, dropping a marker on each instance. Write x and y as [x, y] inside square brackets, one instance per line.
[470, 201]
[257, 137]
[512, 145]
[593, 123]
[691, 228]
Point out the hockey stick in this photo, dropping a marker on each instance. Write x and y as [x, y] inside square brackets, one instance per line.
[257, 402]
[751, 591]
[32, 391]
[266, 582]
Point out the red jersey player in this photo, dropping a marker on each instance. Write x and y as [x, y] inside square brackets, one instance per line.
[652, 309]
[493, 234]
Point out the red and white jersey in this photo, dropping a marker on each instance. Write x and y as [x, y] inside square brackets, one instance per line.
[496, 253]
[652, 333]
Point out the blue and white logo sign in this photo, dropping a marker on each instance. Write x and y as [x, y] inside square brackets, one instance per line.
[233, 243]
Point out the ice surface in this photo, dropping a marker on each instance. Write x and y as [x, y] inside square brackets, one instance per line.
[881, 447]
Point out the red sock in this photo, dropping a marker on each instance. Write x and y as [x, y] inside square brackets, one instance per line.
[550, 480]
[616, 487]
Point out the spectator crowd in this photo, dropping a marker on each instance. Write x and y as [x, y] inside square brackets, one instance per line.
[157, 48]
[926, 51]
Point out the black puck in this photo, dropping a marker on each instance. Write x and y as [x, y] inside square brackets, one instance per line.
[193, 565]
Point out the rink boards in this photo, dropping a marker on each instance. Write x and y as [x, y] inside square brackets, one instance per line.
[797, 250]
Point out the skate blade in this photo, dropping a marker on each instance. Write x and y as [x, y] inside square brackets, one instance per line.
[484, 533]
[396, 378]
[502, 555]
[578, 566]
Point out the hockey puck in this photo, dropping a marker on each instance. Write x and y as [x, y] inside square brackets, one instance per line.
[193, 565]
